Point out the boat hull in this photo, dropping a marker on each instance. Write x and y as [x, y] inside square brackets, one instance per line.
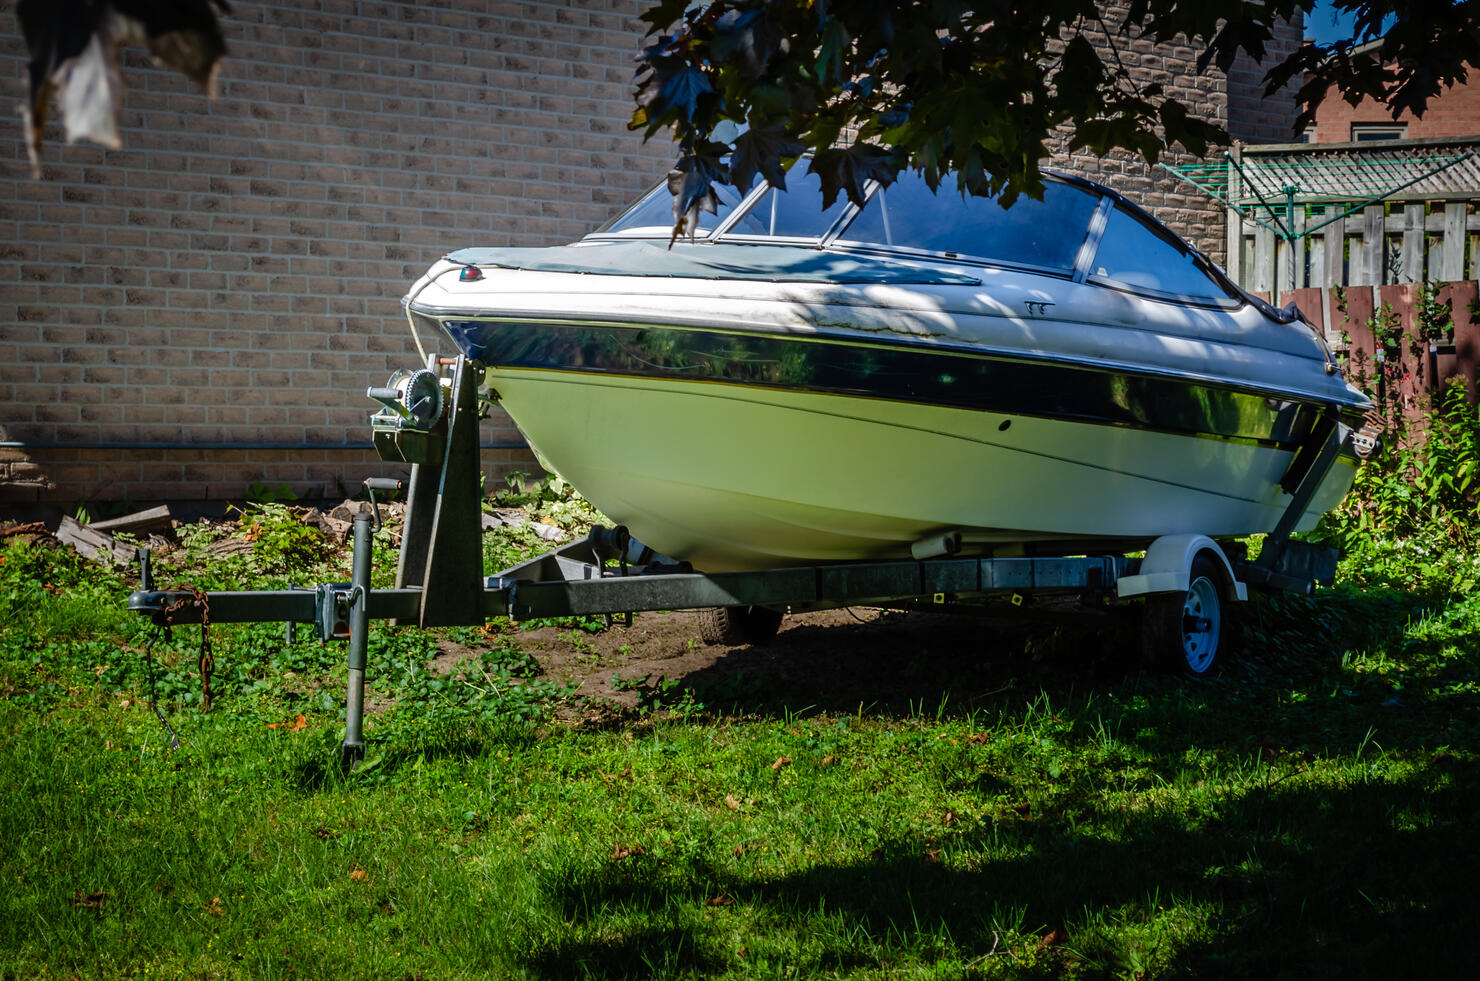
[730, 476]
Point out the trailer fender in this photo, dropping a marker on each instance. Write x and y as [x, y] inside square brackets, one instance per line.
[1167, 567]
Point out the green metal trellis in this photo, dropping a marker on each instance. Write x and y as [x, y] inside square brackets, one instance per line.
[1267, 190]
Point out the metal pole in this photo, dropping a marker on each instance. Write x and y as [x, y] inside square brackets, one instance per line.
[353, 750]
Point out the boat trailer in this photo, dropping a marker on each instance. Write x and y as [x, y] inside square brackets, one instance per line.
[432, 423]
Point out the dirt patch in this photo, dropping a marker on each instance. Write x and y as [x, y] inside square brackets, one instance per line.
[837, 661]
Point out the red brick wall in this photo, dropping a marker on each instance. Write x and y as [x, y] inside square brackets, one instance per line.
[1455, 113]
[231, 277]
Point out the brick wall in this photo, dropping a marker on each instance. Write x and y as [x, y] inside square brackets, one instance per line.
[1251, 117]
[230, 278]
[204, 308]
[1234, 101]
[1454, 113]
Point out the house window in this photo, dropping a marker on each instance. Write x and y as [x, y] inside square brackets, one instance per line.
[1374, 132]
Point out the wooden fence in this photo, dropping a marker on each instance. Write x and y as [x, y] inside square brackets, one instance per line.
[1402, 241]
[1422, 349]
[1426, 227]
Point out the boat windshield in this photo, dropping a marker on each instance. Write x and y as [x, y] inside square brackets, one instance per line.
[796, 212]
[652, 216]
[1134, 254]
[1043, 234]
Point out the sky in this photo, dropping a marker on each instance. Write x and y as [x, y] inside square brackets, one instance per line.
[1325, 24]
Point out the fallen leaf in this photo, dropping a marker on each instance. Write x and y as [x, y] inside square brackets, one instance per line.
[93, 901]
[1023, 810]
[780, 762]
[932, 856]
[622, 851]
[358, 874]
[739, 850]
[978, 738]
[949, 819]
[214, 907]
[609, 777]
[720, 900]
[297, 723]
[732, 803]
[1054, 936]
[828, 760]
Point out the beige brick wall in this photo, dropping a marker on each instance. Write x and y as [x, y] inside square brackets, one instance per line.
[231, 276]
[203, 308]
[1234, 101]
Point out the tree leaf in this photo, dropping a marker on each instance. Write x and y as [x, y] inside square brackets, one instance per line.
[763, 151]
[848, 169]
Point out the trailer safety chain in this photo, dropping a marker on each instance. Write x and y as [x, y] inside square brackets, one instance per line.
[207, 660]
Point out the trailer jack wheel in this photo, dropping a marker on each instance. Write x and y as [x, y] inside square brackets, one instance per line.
[736, 625]
[1182, 632]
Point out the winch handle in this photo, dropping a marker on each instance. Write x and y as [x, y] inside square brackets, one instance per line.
[391, 399]
[390, 486]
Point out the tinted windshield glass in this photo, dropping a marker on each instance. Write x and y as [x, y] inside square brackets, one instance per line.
[653, 215]
[1132, 253]
[796, 212]
[1044, 233]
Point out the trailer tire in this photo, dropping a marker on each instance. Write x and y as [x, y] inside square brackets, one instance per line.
[1182, 632]
[736, 625]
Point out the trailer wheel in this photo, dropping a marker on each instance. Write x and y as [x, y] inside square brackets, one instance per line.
[1181, 632]
[735, 625]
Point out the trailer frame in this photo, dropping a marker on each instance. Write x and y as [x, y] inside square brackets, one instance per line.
[440, 580]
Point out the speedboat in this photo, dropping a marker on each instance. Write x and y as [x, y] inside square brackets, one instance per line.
[796, 384]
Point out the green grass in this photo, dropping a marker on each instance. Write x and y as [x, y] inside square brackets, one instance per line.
[1050, 812]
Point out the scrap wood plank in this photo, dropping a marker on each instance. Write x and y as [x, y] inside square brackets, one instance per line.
[95, 545]
[153, 519]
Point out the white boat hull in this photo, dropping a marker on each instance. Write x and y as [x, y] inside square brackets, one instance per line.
[728, 477]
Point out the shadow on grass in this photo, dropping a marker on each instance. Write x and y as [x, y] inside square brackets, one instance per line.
[406, 743]
[637, 953]
[1373, 880]
[907, 664]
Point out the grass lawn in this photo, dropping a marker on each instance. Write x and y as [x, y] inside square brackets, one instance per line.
[1036, 807]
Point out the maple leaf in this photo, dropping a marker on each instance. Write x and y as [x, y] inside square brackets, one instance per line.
[849, 169]
[692, 184]
[671, 91]
[763, 151]
[749, 38]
